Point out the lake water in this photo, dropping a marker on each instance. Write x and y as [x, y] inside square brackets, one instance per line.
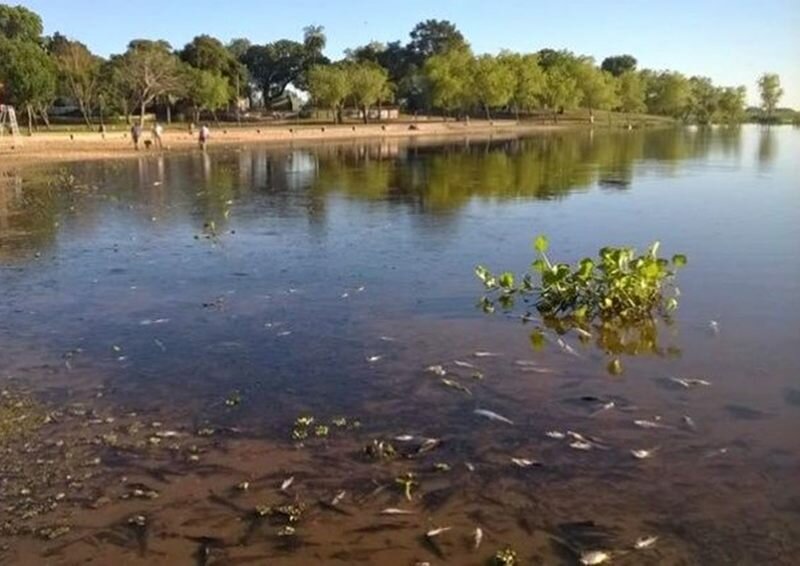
[165, 320]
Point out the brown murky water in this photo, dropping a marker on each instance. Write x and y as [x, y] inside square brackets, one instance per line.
[164, 322]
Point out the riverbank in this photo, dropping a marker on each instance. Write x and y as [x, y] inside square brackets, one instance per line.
[79, 146]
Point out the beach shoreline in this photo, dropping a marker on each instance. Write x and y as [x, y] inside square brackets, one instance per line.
[56, 147]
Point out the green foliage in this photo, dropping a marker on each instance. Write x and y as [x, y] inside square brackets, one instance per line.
[17, 22]
[78, 71]
[329, 86]
[630, 90]
[617, 65]
[560, 90]
[619, 286]
[368, 84]
[449, 77]
[527, 76]
[731, 104]
[433, 37]
[149, 70]
[597, 87]
[27, 73]
[668, 93]
[704, 99]
[492, 82]
[769, 85]
[206, 90]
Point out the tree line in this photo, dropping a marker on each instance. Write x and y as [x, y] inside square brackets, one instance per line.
[435, 71]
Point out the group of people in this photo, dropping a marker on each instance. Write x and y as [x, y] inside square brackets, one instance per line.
[157, 134]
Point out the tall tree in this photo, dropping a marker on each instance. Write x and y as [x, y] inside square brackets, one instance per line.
[704, 99]
[630, 90]
[769, 86]
[448, 76]
[79, 72]
[329, 87]
[617, 65]
[368, 84]
[560, 90]
[528, 79]
[206, 90]
[17, 22]
[597, 88]
[314, 42]
[152, 71]
[28, 76]
[432, 37]
[731, 104]
[668, 93]
[492, 83]
[275, 65]
[238, 47]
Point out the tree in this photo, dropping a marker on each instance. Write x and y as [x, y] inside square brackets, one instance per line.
[368, 84]
[433, 37]
[28, 76]
[448, 76]
[731, 104]
[769, 85]
[151, 70]
[329, 87]
[492, 83]
[17, 22]
[704, 99]
[528, 79]
[314, 42]
[617, 65]
[238, 47]
[78, 70]
[275, 65]
[597, 88]
[560, 89]
[206, 90]
[630, 90]
[209, 54]
[668, 93]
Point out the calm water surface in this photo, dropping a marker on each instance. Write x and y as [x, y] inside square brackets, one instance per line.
[164, 321]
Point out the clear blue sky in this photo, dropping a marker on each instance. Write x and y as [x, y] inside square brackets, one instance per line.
[732, 41]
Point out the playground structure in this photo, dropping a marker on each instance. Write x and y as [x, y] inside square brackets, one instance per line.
[8, 121]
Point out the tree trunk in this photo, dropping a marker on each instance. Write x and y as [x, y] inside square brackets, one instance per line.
[216, 120]
[169, 113]
[142, 109]
[591, 116]
[30, 119]
[516, 112]
[85, 114]
[45, 119]
[488, 114]
[338, 118]
[366, 117]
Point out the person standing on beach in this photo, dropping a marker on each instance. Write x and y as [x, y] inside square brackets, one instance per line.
[158, 131]
[205, 133]
[136, 133]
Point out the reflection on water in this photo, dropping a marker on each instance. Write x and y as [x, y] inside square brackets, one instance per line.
[165, 320]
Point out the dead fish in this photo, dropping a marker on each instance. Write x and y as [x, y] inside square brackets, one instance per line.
[580, 445]
[485, 354]
[492, 416]
[604, 407]
[149, 321]
[690, 382]
[160, 344]
[645, 542]
[643, 454]
[530, 369]
[477, 538]
[345, 295]
[404, 438]
[373, 359]
[582, 332]
[284, 333]
[387, 338]
[577, 436]
[456, 385]
[360, 289]
[462, 364]
[525, 462]
[713, 327]
[436, 532]
[287, 483]
[554, 434]
[717, 452]
[436, 369]
[396, 511]
[567, 348]
[339, 496]
[526, 363]
[470, 466]
[649, 424]
[167, 434]
[594, 557]
[689, 422]
[428, 444]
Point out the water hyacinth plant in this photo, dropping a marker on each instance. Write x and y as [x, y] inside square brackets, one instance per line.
[618, 287]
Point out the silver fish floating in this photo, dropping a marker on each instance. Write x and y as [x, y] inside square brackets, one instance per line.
[581, 332]
[338, 499]
[645, 542]
[373, 359]
[287, 483]
[456, 385]
[149, 321]
[437, 370]
[404, 438]
[580, 445]
[557, 435]
[567, 348]
[689, 422]
[643, 454]
[531, 369]
[688, 383]
[396, 511]
[594, 557]
[492, 416]
[525, 462]
[463, 364]
[486, 354]
[436, 532]
[642, 423]
[284, 333]
[477, 538]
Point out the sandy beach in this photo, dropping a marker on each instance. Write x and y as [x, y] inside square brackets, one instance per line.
[78, 146]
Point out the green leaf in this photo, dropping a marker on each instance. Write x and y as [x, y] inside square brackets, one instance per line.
[506, 280]
[539, 265]
[537, 339]
[540, 244]
[614, 367]
[679, 260]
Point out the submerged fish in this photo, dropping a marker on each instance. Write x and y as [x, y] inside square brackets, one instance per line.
[485, 354]
[456, 385]
[645, 542]
[396, 511]
[287, 483]
[643, 453]
[594, 557]
[436, 532]
[492, 416]
[477, 538]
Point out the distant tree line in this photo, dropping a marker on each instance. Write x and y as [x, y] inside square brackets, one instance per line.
[435, 71]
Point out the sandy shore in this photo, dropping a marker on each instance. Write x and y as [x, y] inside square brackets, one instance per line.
[79, 146]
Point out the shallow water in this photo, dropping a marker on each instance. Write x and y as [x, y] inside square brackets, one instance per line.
[220, 296]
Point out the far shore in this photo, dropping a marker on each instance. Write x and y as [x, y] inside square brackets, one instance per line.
[59, 146]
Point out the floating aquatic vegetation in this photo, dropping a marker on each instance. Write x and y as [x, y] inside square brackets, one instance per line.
[408, 483]
[287, 531]
[492, 416]
[321, 430]
[339, 422]
[234, 399]
[594, 557]
[505, 557]
[380, 450]
[645, 542]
